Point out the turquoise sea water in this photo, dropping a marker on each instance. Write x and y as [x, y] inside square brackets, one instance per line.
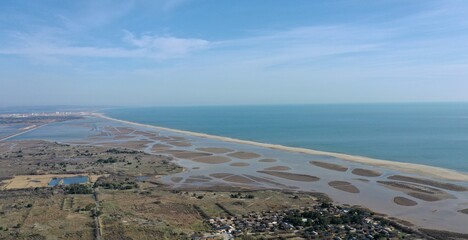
[432, 134]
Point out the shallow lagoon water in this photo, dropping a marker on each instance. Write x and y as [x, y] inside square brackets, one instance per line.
[442, 214]
[68, 180]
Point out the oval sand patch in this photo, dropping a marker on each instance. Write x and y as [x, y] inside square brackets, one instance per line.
[215, 150]
[344, 186]
[292, 176]
[268, 160]
[212, 159]
[404, 201]
[244, 155]
[366, 172]
[329, 166]
[239, 164]
[277, 168]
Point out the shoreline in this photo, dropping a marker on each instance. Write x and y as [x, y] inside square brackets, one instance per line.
[411, 168]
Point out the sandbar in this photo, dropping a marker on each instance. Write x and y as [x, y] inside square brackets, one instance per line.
[329, 166]
[267, 160]
[344, 186]
[220, 175]
[239, 164]
[238, 179]
[161, 147]
[404, 201]
[417, 191]
[190, 155]
[277, 168]
[215, 150]
[366, 172]
[292, 176]
[447, 186]
[179, 144]
[244, 155]
[464, 211]
[212, 159]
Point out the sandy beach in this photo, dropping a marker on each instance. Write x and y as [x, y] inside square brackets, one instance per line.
[412, 168]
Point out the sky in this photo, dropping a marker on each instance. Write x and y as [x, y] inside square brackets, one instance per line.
[244, 52]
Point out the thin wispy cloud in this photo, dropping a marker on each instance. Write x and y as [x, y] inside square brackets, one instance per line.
[168, 43]
[165, 46]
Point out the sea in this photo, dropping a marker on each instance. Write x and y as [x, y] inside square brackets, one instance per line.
[433, 134]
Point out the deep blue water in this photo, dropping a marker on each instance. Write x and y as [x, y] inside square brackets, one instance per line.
[432, 134]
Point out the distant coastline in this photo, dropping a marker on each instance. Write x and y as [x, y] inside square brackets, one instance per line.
[412, 168]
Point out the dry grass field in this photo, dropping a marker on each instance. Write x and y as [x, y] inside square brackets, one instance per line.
[44, 214]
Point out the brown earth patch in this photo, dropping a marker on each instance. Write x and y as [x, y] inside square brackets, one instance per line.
[244, 155]
[292, 176]
[404, 201]
[212, 159]
[366, 172]
[447, 186]
[329, 166]
[344, 186]
[277, 168]
[215, 150]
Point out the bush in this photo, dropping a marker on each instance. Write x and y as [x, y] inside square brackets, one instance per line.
[78, 189]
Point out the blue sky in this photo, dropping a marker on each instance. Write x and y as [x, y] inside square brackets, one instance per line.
[211, 52]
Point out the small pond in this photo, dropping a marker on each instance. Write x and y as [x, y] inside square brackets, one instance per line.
[68, 180]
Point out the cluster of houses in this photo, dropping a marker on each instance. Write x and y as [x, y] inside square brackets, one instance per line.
[323, 221]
